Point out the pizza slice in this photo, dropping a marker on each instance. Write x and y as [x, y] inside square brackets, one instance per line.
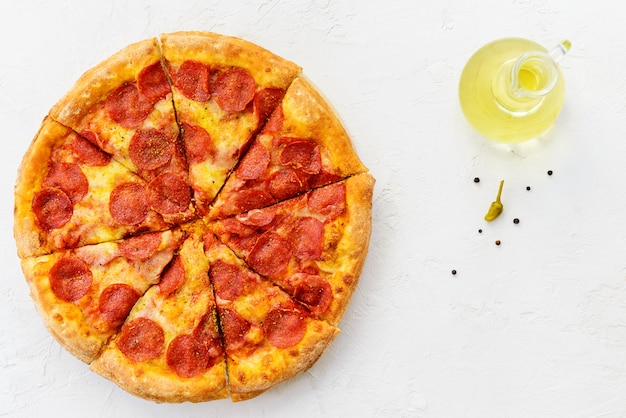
[124, 105]
[69, 193]
[84, 294]
[313, 246]
[224, 90]
[169, 349]
[268, 337]
[303, 146]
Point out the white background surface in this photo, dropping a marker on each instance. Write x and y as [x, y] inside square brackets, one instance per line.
[535, 327]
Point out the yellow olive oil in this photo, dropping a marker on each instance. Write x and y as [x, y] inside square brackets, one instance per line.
[512, 90]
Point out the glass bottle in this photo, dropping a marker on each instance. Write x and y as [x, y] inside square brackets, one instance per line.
[512, 90]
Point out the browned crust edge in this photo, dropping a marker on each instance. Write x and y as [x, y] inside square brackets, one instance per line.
[266, 67]
[353, 247]
[145, 382]
[308, 354]
[63, 319]
[96, 83]
[307, 113]
[30, 174]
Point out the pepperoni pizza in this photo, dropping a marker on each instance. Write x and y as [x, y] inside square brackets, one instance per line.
[192, 219]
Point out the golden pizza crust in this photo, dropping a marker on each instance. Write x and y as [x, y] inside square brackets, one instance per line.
[30, 175]
[307, 114]
[347, 260]
[266, 68]
[156, 384]
[95, 85]
[64, 320]
[267, 366]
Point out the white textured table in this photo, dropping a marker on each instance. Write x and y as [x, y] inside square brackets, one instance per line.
[534, 327]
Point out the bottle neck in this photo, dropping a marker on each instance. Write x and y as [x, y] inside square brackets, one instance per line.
[522, 84]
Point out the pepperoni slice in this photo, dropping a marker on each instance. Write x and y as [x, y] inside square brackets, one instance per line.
[88, 153]
[141, 247]
[115, 303]
[70, 278]
[302, 155]
[307, 238]
[271, 254]
[245, 243]
[234, 226]
[227, 279]
[168, 193]
[128, 203]
[69, 178]
[142, 339]
[150, 149]
[286, 183]
[248, 199]
[207, 332]
[329, 200]
[152, 83]
[187, 356]
[192, 79]
[198, 143]
[258, 217]
[173, 277]
[90, 136]
[52, 207]
[208, 239]
[254, 164]
[234, 89]
[284, 328]
[241, 236]
[234, 328]
[265, 101]
[127, 106]
[275, 122]
[323, 178]
[313, 291]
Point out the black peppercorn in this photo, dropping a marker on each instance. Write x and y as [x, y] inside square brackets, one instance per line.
[476, 180]
[516, 220]
[549, 172]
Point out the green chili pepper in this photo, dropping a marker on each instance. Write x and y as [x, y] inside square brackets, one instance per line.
[496, 207]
